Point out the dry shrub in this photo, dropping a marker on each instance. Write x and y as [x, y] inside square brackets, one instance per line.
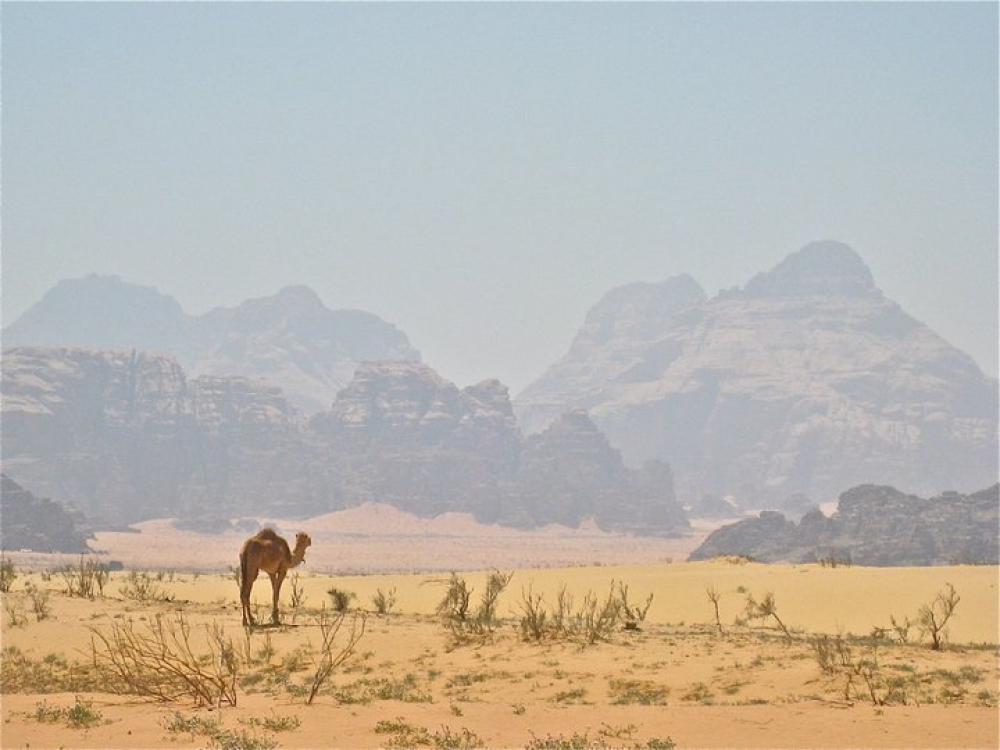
[326, 659]
[162, 662]
[455, 606]
[596, 619]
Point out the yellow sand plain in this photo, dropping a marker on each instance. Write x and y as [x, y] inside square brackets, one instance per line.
[675, 678]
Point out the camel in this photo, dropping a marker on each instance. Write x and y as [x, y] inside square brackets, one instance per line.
[269, 552]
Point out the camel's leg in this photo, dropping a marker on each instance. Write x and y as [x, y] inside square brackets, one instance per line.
[248, 575]
[277, 579]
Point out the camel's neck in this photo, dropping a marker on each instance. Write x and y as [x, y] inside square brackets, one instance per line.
[298, 555]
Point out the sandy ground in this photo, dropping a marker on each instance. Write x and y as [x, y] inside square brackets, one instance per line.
[377, 538]
[676, 677]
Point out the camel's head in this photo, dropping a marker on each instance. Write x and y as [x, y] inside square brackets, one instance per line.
[302, 541]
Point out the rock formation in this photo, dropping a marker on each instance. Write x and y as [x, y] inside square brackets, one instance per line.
[873, 525]
[807, 380]
[37, 524]
[125, 436]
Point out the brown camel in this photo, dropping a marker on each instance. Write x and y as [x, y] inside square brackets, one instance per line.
[269, 552]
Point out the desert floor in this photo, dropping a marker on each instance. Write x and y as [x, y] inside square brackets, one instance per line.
[412, 680]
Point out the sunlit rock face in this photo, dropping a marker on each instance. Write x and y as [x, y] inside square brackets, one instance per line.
[873, 525]
[807, 380]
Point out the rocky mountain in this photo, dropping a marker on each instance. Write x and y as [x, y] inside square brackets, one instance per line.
[290, 340]
[36, 523]
[873, 525]
[125, 436]
[805, 381]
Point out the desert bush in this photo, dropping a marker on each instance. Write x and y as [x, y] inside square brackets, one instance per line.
[765, 608]
[81, 715]
[341, 599]
[577, 741]
[594, 620]
[274, 723]
[597, 620]
[633, 614]
[297, 600]
[39, 601]
[714, 597]
[831, 654]
[366, 690]
[402, 734]
[15, 611]
[901, 629]
[21, 673]
[178, 723]
[534, 619]
[229, 739]
[643, 692]
[325, 659]
[142, 587]
[456, 603]
[86, 579]
[932, 618]
[862, 673]
[698, 692]
[8, 573]
[457, 599]
[383, 602]
[162, 662]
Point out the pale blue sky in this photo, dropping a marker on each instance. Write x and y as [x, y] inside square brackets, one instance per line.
[480, 174]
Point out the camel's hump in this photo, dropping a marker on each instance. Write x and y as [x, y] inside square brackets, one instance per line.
[268, 534]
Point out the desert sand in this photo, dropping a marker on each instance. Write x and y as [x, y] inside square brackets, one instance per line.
[411, 682]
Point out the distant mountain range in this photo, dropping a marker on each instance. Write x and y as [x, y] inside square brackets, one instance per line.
[805, 381]
[125, 436]
[290, 340]
[779, 394]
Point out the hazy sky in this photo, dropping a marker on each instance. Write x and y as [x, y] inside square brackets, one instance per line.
[481, 174]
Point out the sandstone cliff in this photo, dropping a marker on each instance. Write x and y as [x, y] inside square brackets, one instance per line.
[125, 436]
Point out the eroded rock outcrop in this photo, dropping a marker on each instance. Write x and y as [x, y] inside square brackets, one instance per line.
[873, 525]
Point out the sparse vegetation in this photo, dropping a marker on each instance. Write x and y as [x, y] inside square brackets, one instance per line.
[140, 586]
[454, 606]
[642, 692]
[86, 579]
[326, 658]
[39, 600]
[81, 715]
[341, 599]
[383, 602]
[8, 573]
[714, 597]
[162, 662]
[595, 620]
[297, 600]
[403, 734]
[933, 618]
[765, 608]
